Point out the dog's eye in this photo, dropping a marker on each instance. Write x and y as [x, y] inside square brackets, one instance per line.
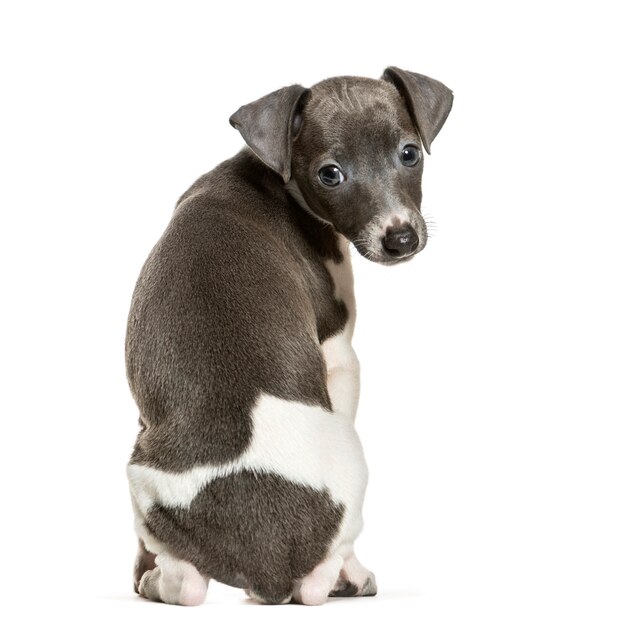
[411, 155]
[331, 175]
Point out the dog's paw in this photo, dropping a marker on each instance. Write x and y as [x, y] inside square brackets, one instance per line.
[345, 588]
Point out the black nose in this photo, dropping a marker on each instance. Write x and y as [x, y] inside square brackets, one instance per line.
[400, 240]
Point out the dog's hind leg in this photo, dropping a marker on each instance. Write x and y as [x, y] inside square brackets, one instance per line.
[143, 563]
[159, 575]
[315, 587]
[342, 367]
[354, 580]
[173, 581]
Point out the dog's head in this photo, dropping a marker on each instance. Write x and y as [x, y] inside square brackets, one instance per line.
[350, 150]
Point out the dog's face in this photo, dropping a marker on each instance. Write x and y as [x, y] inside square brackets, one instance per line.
[352, 153]
[357, 160]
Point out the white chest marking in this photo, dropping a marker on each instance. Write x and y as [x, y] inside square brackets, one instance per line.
[342, 365]
[343, 279]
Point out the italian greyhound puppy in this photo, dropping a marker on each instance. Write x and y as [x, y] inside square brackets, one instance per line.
[247, 468]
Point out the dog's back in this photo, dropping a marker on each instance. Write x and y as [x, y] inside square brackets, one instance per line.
[222, 312]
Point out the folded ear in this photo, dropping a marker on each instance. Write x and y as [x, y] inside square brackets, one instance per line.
[428, 100]
[269, 124]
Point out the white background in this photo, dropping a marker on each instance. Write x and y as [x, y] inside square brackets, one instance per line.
[493, 406]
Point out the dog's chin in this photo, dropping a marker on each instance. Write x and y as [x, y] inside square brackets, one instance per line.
[382, 257]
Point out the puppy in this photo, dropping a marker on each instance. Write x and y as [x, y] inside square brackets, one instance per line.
[247, 468]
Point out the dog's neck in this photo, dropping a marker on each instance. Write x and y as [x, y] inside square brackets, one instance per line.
[293, 189]
[320, 232]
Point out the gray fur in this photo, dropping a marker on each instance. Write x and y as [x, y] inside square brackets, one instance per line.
[143, 563]
[369, 588]
[344, 589]
[359, 123]
[254, 531]
[234, 301]
[267, 125]
[429, 101]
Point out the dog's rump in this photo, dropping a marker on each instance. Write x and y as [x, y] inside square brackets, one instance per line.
[250, 530]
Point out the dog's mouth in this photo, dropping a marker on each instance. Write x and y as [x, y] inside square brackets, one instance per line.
[381, 256]
[396, 245]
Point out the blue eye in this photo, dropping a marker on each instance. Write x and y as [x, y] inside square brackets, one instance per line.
[331, 175]
[410, 155]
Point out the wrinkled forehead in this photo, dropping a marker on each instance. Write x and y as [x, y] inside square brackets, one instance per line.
[340, 110]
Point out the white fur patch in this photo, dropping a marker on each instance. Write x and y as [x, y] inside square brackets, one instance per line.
[398, 217]
[342, 365]
[173, 581]
[314, 588]
[343, 279]
[304, 444]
